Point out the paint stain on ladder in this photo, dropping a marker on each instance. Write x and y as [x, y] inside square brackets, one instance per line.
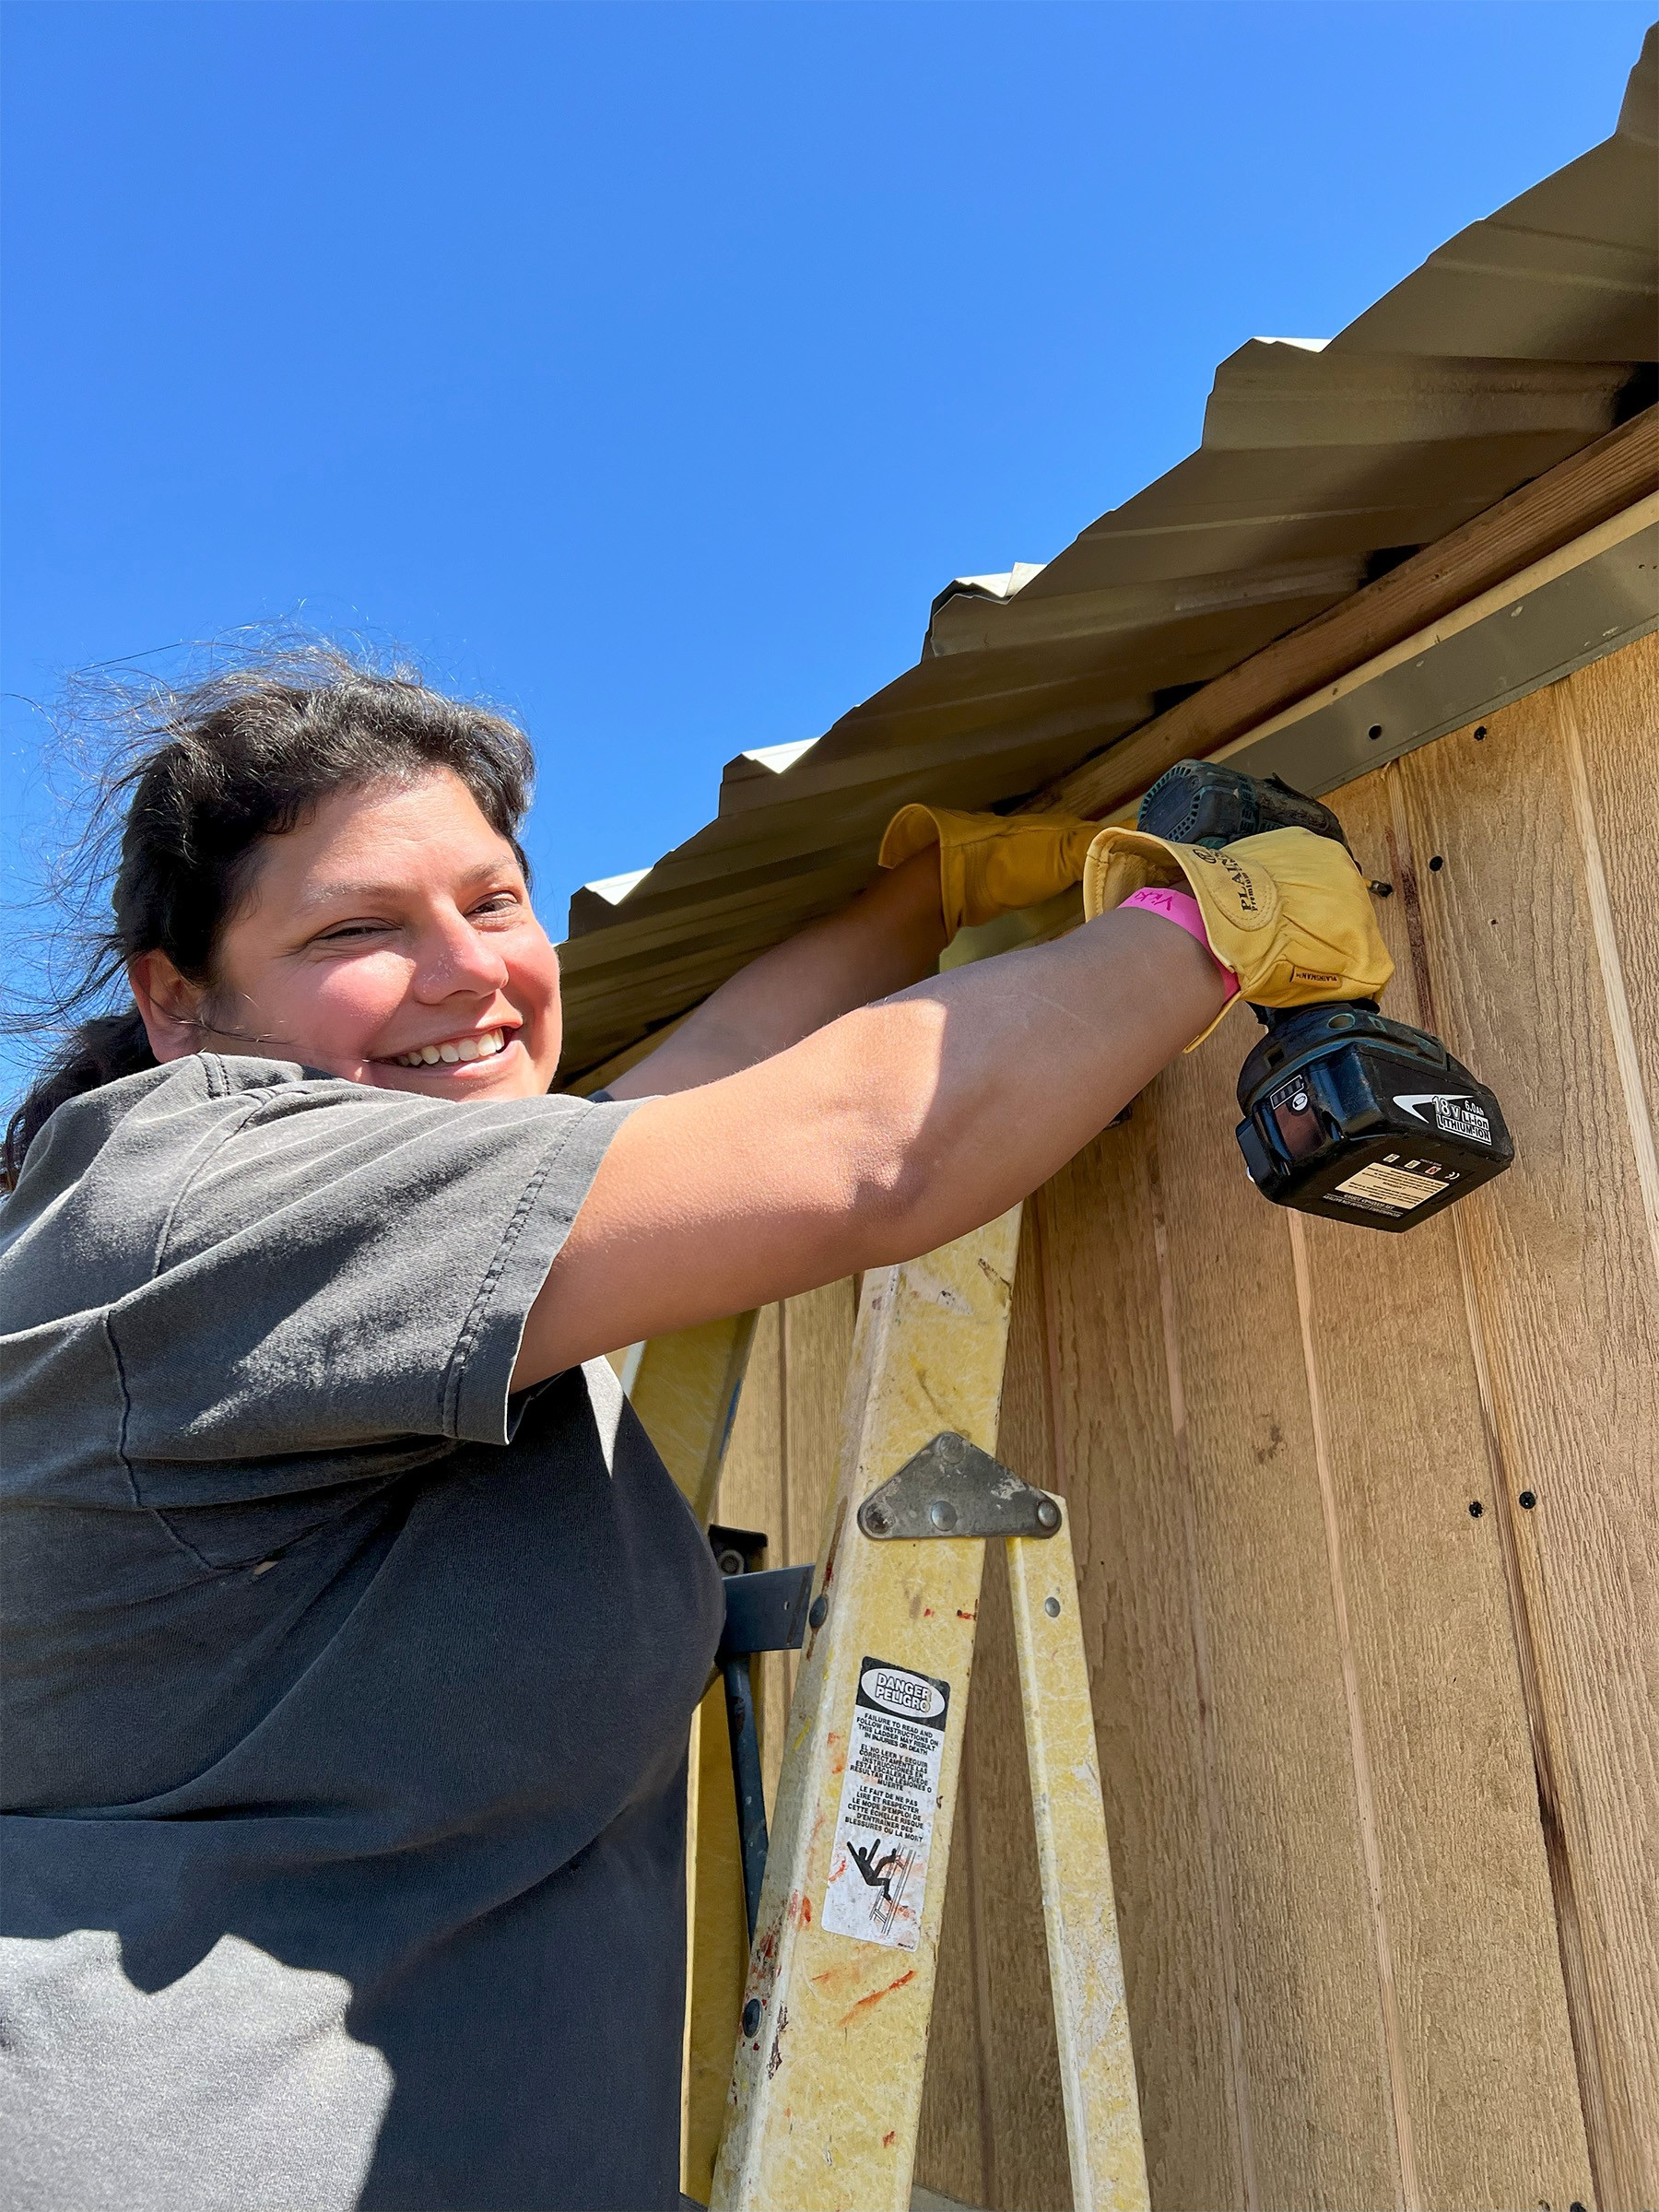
[875, 1997]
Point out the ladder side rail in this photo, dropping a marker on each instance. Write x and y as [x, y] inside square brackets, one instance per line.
[826, 2092]
[1086, 1966]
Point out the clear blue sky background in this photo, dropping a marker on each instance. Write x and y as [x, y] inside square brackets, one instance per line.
[650, 368]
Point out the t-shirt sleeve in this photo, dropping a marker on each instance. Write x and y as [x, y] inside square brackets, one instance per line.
[341, 1264]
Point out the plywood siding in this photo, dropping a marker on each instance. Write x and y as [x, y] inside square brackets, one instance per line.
[1381, 1769]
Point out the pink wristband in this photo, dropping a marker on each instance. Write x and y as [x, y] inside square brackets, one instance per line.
[1182, 908]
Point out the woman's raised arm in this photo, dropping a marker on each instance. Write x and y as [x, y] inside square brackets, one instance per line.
[887, 1133]
[891, 935]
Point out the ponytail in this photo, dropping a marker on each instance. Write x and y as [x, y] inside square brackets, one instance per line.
[100, 1051]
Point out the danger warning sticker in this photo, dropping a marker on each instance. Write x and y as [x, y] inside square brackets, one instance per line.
[878, 1861]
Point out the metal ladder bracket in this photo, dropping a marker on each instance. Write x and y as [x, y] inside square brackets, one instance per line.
[951, 1488]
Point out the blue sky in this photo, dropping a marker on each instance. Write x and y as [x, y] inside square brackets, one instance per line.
[650, 368]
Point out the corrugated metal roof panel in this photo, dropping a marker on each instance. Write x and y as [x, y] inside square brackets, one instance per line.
[1513, 346]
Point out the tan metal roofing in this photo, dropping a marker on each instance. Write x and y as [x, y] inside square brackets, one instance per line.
[1321, 463]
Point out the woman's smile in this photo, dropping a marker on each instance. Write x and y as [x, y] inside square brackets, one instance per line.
[486, 1046]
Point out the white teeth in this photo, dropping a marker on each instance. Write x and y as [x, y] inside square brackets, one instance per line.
[466, 1048]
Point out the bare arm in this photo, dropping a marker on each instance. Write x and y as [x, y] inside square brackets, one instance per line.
[890, 935]
[894, 1129]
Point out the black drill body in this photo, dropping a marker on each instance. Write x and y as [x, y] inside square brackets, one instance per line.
[1346, 1114]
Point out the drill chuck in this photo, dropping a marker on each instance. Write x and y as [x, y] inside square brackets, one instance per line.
[1346, 1114]
[1200, 803]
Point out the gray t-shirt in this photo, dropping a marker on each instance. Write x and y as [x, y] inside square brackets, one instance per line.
[347, 1696]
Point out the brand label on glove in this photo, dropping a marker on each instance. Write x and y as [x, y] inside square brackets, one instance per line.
[1253, 904]
[890, 1793]
[1380, 1188]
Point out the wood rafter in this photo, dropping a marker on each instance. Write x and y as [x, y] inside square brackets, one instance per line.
[1544, 515]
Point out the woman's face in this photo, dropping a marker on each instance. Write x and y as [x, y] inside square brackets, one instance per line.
[389, 939]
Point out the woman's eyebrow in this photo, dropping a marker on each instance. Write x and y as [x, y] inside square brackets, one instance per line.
[328, 894]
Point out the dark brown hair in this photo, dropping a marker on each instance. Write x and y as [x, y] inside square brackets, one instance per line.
[195, 777]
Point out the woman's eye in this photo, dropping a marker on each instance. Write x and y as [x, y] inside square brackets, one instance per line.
[350, 932]
[499, 903]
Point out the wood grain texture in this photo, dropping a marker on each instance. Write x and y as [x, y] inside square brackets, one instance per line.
[816, 1349]
[1119, 1462]
[1312, 2052]
[1029, 2171]
[1462, 1896]
[752, 1495]
[994, 2076]
[1382, 1778]
[953, 2151]
[1608, 714]
[1537, 520]
[1567, 1304]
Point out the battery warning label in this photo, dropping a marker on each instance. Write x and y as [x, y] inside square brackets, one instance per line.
[1382, 1189]
[883, 1833]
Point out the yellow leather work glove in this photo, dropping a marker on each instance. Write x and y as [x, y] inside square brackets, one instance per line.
[1288, 911]
[991, 864]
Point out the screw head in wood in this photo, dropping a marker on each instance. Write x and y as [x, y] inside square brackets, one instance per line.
[1048, 1514]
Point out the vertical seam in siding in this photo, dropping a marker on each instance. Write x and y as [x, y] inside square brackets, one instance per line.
[1227, 1939]
[1389, 2028]
[1612, 967]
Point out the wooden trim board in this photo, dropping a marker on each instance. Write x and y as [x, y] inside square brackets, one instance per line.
[1563, 504]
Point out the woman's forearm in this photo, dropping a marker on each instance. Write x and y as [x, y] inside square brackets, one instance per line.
[889, 936]
[894, 1129]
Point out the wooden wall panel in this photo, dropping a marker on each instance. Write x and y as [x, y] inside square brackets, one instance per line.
[816, 1348]
[752, 1495]
[1469, 1967]
[1026, 2159]
[1382, 1775]
[992, 2112]
[1609, 719]
[1121, 1462]
[780, 1465]
[1562, 1262]
[1310, 2037]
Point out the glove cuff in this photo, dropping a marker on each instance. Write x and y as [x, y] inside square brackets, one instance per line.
[911, 831]
[1182, 908]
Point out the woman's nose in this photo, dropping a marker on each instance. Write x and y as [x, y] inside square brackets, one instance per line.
[456, 956]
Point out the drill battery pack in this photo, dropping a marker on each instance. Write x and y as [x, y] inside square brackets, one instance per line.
[1346, 1114]
[1362, 1119]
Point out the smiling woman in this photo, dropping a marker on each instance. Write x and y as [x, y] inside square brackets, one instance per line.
[388, 935]
[354, 1626]
[202, 794]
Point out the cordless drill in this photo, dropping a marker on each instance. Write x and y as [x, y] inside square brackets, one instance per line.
[1346, 1113]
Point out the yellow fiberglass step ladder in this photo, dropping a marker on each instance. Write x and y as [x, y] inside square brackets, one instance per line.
[824, 2100]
